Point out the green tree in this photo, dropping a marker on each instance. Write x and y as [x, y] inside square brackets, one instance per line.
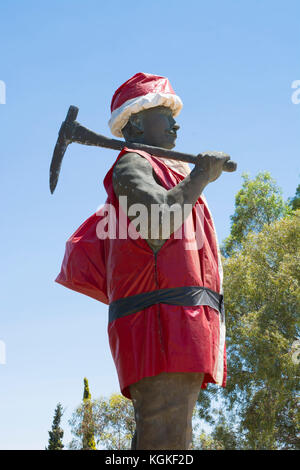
[88, 440]
[221, 436]
[117, 415]
[205, 441]
[82, 422]
[86, 390]
[294, 202]
[224, 433]
[258, 202]
[261, 286]
[56, 434]
[112, 421]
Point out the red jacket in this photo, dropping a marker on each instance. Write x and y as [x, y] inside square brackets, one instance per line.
[155, 323]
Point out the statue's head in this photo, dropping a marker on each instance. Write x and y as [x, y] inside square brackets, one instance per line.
[143, 111]
[154, 126]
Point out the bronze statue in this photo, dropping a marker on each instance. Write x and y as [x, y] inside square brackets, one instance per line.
[163, 286]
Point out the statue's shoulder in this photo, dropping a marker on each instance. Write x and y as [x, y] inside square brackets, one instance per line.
[132, 169]
[131, 162]
[128, 157]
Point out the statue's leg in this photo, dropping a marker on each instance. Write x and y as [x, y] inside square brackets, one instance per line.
[163, 407]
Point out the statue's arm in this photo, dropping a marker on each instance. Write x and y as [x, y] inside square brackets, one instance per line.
[133, 177]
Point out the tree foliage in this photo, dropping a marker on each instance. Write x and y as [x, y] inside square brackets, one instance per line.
[111, 420]
[262, 292]
[119, 423]
[294, 202]
[86, 390]
[56, 434]
[88, 439]
[261, 286]
[258, 202]
[83, 422]
[205, 441]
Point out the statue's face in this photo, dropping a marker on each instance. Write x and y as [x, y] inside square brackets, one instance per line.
[160, 128]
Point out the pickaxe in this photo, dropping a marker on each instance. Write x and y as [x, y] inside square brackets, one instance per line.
[71, 131]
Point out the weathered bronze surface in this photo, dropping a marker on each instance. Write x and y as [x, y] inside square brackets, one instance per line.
[163, 407]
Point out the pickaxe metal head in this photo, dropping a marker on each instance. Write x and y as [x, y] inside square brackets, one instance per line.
[63, 140]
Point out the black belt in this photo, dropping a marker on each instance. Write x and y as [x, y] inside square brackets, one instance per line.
[185, 296]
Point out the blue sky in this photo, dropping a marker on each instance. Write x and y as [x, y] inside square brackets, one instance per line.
[232, 63]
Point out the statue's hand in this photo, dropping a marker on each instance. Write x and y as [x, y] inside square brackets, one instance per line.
[213, 163]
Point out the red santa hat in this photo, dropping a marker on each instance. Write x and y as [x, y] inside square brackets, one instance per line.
[142, 91]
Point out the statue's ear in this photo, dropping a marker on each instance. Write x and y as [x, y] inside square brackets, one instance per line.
[136, 123]
[134, 127]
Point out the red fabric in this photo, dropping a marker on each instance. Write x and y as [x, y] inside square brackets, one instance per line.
[139, 85]
[83, 268]
[161, 338]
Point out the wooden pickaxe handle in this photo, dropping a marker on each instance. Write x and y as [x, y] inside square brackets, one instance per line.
[72, 131]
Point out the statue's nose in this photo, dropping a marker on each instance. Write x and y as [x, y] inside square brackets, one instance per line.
[174, 129]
